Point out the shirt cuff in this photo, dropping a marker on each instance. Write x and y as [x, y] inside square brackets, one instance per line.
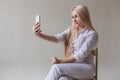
[77, 58]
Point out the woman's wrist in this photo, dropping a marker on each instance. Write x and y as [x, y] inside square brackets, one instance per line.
[68, 60]
[39, 34]
[62, 61]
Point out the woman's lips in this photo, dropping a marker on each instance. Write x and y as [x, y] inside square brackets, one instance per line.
[76, 23]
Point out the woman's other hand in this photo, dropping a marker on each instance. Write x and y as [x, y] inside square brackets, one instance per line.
[54, 60]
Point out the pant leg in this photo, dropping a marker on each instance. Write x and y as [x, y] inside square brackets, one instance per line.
[75, 70]
[54, 73]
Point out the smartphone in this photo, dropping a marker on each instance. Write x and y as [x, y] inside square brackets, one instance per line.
[37, 18]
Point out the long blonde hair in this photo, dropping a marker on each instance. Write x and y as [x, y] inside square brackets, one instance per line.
[83, 14]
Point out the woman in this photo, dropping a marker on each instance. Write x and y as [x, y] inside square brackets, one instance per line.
[79, 40]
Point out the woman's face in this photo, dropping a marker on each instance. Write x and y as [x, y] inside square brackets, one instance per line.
[76, 21]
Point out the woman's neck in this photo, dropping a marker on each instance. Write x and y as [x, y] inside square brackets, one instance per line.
[80, 28]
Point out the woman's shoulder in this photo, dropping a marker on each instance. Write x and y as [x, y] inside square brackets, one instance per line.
[67, 30]
[91, 32]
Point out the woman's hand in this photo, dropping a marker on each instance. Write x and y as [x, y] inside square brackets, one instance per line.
[54, 60]
[36, 29]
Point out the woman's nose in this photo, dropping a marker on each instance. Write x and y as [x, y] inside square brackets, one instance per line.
[74, 19]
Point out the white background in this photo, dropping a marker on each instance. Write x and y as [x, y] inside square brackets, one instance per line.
[23, 56]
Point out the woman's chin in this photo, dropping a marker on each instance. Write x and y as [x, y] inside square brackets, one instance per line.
[75, 26]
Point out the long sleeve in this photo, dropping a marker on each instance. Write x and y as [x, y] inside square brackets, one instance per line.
[86, 48]
[60, 36]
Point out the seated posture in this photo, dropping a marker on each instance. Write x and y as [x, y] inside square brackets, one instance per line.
[79, 41]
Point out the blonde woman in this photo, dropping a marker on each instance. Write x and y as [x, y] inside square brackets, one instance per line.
[79, 40]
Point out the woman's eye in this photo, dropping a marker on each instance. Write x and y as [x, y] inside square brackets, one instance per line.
[76, 16]
[72, 17]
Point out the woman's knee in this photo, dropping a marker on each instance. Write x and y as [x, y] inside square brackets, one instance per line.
[65, 78]
[55, 68]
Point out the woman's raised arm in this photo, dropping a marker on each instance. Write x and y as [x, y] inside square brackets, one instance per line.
[36, 30]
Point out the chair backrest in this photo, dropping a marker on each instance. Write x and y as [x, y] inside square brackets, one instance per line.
[95, 54]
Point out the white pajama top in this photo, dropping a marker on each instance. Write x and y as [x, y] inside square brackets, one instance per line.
[83, 43]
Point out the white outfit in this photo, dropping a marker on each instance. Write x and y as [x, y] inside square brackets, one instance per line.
[81, 47]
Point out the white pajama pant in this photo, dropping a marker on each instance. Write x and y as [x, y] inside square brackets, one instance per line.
[73, 70]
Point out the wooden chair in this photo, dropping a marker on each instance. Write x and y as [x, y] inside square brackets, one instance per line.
[95, 54]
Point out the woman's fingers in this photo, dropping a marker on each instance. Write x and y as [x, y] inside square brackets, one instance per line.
[54, 60]
[36, 28]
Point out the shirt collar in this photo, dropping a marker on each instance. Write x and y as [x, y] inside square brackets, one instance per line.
[82, 30]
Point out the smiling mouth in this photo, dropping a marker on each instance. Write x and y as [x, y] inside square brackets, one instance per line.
[75, 23]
